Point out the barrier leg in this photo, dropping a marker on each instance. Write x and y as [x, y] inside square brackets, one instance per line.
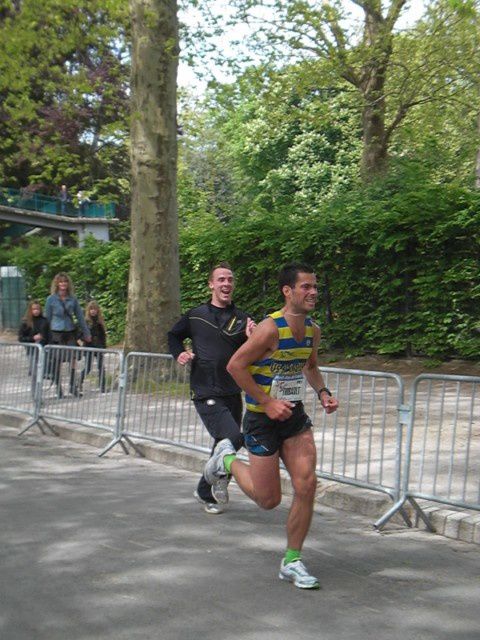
[112, 444]
[119, 441]
[421, 514]
[134, 447]
[397, 507]
[39, 422]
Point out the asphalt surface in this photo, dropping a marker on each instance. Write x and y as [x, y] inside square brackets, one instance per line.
[117, 549]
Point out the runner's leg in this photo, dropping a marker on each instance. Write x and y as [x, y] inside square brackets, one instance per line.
[260, 480]
[299, 456]
[222, 420]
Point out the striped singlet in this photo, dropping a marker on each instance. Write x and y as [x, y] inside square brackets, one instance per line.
[284, 366]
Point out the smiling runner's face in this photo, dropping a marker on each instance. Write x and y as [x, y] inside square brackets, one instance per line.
[222, 285]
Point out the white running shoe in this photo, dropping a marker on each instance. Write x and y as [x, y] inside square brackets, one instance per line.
[211, 508]
[215, 469]
[215, 473]
[296, 572]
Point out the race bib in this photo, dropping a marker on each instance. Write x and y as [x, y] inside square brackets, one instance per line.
[290, 388]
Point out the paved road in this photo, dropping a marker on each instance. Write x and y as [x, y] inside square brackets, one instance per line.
[116, 549]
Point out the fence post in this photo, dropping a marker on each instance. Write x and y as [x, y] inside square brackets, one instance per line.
[37, 419]
[119, 437]
[405, 421]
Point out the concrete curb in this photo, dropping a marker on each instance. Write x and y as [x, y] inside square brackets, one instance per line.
[458, 525]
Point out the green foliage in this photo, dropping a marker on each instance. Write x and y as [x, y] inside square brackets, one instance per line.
[290, 143]
[268, 169]
[398, 260]
[64, 95]
[398, 263]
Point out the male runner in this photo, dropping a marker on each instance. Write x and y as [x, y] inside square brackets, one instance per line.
[271, 368]
[217, 329]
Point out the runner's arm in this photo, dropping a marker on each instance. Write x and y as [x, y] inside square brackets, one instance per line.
[176, 336]
[315, 378]
[260, 344]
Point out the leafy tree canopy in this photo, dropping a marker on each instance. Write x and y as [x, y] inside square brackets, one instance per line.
[64, 94]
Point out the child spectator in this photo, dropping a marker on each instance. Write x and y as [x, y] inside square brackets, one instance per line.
[34, 327]
[33, 330]
[96, 324]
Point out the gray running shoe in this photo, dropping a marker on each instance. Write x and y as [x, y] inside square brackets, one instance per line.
[210, 507]
[296, 572]
[220, 489]
[214, 469]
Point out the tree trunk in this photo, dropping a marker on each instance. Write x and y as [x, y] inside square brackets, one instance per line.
[154, 281]
[378, 42]
[374, 152]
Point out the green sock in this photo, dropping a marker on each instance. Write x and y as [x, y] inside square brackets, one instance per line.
[291, 555]
[227, 461]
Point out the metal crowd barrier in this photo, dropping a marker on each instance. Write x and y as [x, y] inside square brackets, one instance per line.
[20, 366]
[156, 403]
[82, 385]
[443, 444]
[426, 450]
[361, 443]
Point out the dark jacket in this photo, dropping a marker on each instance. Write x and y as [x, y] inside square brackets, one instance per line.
[99, 337]
[216, 334]
[40, 325]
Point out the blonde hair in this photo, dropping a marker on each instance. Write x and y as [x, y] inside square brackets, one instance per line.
[28, 317]
[93, 304]
[56, 280]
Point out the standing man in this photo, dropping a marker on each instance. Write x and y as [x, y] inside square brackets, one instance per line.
[64, 199]
[217, 329]
[271, 367]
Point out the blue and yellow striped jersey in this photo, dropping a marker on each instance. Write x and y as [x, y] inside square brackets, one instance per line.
[288, 360]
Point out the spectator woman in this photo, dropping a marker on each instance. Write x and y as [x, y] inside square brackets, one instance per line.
[96, 324]
[67, 322]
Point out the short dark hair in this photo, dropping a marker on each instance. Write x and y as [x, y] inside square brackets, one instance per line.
[289, 273]
[221, 265]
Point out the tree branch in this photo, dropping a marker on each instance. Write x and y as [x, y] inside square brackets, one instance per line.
[394, 12]
[347, 71]
[370, 9]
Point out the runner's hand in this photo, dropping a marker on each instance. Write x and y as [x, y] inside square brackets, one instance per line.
[185, 357]
[329, 403]
[251, 324]
[278, 409]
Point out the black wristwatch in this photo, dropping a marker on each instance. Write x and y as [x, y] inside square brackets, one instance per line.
[320, 391]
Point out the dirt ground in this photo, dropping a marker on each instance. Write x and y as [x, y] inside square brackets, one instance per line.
[407, 367]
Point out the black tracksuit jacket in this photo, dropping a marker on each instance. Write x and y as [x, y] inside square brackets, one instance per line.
[216, 334]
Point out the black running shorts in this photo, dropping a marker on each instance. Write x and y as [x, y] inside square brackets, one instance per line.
[264, 437]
